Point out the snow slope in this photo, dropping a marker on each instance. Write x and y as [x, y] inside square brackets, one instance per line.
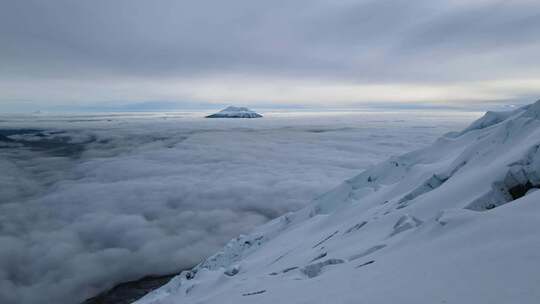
[235, 112]
[456, 222]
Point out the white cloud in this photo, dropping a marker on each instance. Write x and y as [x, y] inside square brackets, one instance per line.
[150, 192]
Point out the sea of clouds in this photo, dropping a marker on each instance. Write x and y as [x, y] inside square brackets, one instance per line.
[88, 201]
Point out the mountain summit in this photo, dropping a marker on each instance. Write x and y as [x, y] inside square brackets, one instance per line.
[456, 222]
[235, 112]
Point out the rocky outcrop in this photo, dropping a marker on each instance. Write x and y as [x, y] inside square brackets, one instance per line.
[129, 292]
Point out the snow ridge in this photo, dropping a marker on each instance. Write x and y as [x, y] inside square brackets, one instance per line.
[455, 222]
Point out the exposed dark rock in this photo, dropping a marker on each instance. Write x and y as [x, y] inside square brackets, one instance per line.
[129, 292]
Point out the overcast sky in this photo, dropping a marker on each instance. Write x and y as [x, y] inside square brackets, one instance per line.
[106, 53]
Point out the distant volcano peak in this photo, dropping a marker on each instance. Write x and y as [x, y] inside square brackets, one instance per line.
[235, 112]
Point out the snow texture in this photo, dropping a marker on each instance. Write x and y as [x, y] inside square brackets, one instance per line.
[456, 222]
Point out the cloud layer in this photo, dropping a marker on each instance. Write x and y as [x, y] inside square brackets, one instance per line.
[155, 194]
[208, 51]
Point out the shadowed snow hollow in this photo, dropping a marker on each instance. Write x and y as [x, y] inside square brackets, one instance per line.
[456, 222]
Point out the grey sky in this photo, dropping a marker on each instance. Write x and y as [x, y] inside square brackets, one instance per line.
[339, 52]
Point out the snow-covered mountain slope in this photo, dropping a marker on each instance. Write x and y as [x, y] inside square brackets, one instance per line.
[456, 222]
[235, 112]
